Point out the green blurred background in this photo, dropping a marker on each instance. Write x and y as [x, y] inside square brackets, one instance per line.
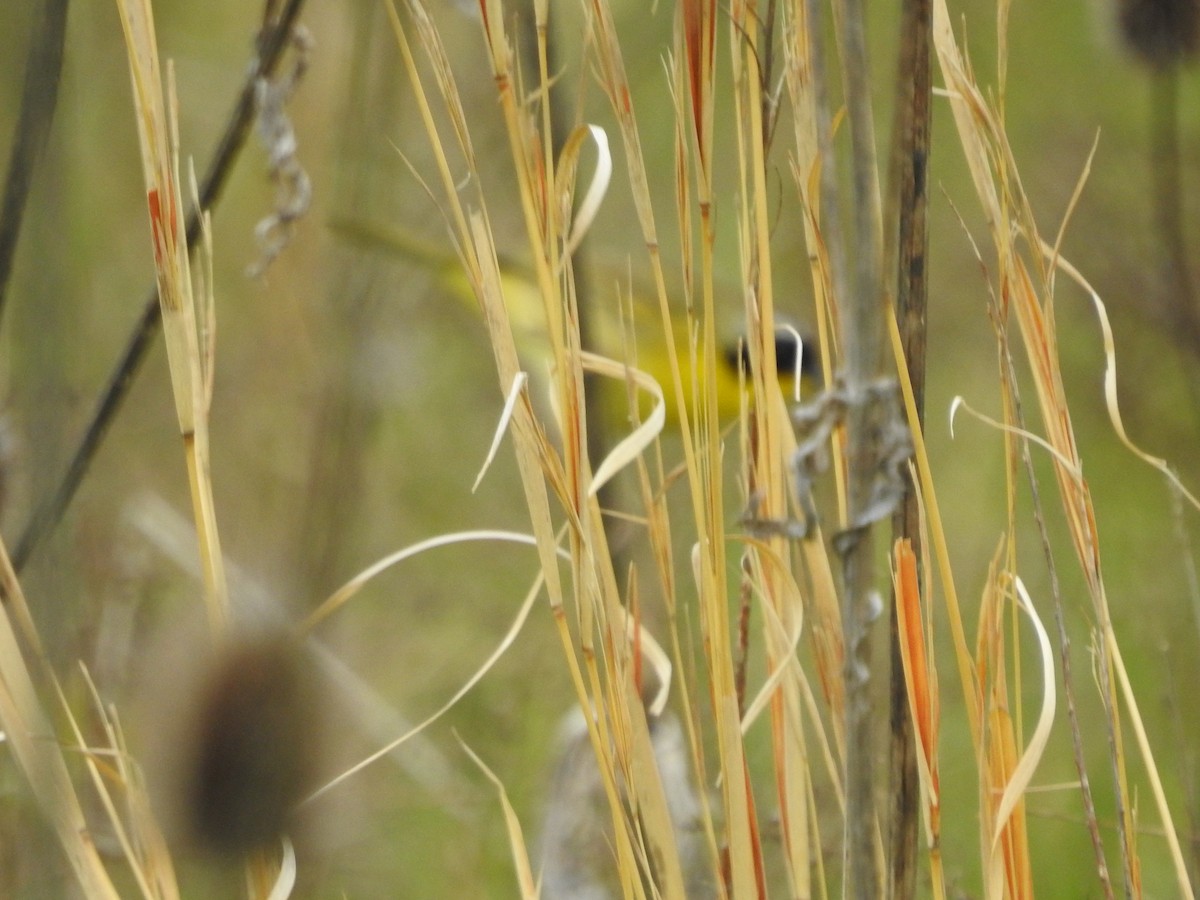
[355, 403]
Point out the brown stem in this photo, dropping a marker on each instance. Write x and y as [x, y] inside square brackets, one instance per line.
[909, 195]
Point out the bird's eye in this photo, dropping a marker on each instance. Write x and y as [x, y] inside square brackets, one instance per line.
[788, 344]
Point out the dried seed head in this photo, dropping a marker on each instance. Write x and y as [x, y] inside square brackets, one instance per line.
[252, 751]
[1160, 33]
[249, 760]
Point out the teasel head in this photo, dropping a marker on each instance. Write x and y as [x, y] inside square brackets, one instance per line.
[253, 751]
[1160, 33]
[236, 740]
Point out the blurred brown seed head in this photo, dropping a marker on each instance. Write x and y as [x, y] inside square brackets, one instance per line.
[236, 738]
[252, 755]
[1160, 33]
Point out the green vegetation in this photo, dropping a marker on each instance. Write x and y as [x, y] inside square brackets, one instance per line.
[366, 598]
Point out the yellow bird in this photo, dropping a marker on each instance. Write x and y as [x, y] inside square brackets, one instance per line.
[794, 354]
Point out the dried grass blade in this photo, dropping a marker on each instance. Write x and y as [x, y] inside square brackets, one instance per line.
[784, 641]
[827, 639]
[647, 796]
[783, 692]
[589, 206]
[1003, 839]
[285, 880]
[632, 446]
[741, 828]
[1160, 797]
[1110, 381]
[500, 649]
[928, 493]
[972, 118]
[1022, 774]
[919, 674]
[142, 842]
[516, 836]
[1069, 465]
[449, 185]
[534, 456]
[510, 403]
[188, 360]
[36, 749]
[698, 18]
[615, 83]
[343, 594]
[915, 630]
[1006, 855]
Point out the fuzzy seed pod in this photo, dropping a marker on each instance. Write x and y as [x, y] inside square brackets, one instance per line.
[252, 748]
[1160, 33]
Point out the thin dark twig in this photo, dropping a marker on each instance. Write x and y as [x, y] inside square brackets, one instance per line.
[38, 100]
[272, 42]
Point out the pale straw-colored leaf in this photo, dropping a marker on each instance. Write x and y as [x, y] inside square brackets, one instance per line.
[1070, 466]
[630, 447]
[501, 648]
[1110, 382]
[1022, 775]
[516, 835]
[655, 656]
[786, 639]
[589, 206]
[510, 403]
[648, 797]
[343, 594]
[535, 460]
[285, 881]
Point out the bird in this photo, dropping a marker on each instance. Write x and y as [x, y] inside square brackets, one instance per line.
[795, 354]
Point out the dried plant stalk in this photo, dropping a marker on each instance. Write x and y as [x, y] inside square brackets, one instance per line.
[1018, 247]
[862, 342]
[189, 360]
[30, 734]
